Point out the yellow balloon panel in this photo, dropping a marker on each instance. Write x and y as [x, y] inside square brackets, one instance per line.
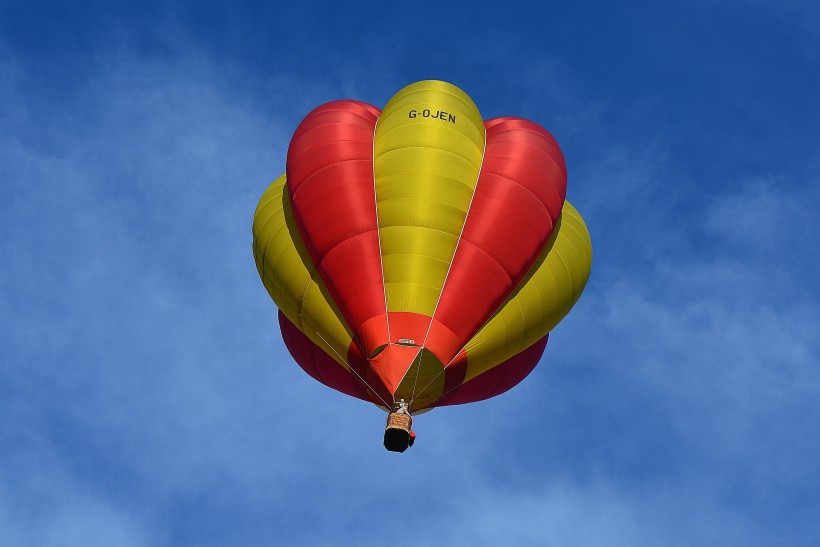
[428, 149]
[431, 102]
[455, 195]
[425, 213]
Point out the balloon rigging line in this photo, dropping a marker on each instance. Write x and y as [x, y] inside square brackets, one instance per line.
[350, 368]
[447, 275]
[378, 228]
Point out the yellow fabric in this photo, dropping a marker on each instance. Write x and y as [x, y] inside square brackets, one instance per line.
[546, 295]
[424, 381]
[428, 149]
[290, 277]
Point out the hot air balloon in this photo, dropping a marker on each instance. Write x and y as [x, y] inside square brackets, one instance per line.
[419, 255]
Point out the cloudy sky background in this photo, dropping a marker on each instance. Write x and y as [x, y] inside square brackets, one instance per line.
[147, 399]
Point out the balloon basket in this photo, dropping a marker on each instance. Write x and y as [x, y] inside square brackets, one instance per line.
[397, 432]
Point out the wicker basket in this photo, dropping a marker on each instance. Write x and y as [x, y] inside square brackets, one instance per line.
[396, 420]
[397, 432]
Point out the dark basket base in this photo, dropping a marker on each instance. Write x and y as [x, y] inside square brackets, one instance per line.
[396, 440]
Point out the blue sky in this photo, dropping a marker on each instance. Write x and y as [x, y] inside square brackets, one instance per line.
[147, 399]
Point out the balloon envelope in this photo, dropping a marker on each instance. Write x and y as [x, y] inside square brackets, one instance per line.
[420, 252]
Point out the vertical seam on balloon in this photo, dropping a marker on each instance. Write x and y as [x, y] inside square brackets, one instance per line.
[447, 275]
[378, 228]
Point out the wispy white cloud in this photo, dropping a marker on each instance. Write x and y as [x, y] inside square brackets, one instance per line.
[593, 514]
[147, 400]
[139, 349]
[722, 336]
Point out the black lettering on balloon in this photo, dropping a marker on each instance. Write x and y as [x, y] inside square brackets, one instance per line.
[434, 114]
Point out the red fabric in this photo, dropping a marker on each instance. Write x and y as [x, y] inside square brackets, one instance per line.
[330, 182]
[455, 372]
[517, 202]
[324, 369]
[518, 199]
[391, 364]
[497, 380]
[319, 364]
